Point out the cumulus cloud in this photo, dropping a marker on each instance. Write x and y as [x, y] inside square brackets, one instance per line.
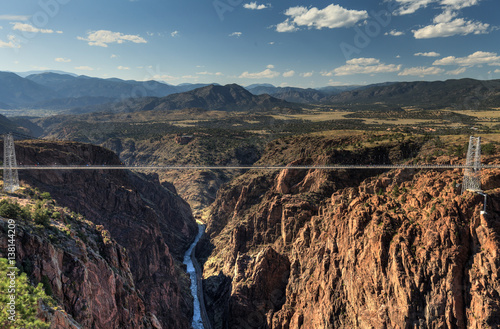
[332, 16]
[363, 66]
[9, 44]
[175, 34]
[446, 24]
[458, 26]
[266, 74]
[123, 67]
[497, 71]
[411, 6]
[477, 58]
[113, 56]
[270, 66]
[255, 6]
[236, 34]
[289, 74]
[421, 71]
[102, 38]
[84, 68]
[307, 74]
[24, 27]
[62, 60]
[394, 33]
[428, 54]
[459, 4]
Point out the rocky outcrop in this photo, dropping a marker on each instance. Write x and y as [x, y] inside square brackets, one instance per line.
[149, 220]
[91, 281]
[317, 249]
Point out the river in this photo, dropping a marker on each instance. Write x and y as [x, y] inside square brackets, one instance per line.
[191, 270]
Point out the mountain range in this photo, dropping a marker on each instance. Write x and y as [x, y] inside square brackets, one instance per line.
[49, 90]
[57, 91]
[230, 97]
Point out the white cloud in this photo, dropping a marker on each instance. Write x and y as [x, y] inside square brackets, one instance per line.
[394, 33]
[10, 44]
[113, 56]
[307, 74]
[477, 58]
[266, 74]
[497, 71]
[102, 38]
[210, 73]
[24, 27]
[458, 26]
[271, 43]
[457, 71]
[428, 54]
[14, 17]
[255, 6]
[421, 71]
[398, 56]
[289, 74]
[270, 66]
[364, 66]
[459, 4]
[332, 16]
[411, 6]
[286, 26]
[84, 68]
[62, 60]
[123, 67]
[175, 34]
[236, 34]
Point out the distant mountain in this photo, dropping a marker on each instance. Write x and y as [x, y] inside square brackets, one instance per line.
[333, 90]
[463, 93]
[183, 87]
[25, 74]
[68, 86]
[16, 91]
[255, 85]
[291, 94]
[230, 97]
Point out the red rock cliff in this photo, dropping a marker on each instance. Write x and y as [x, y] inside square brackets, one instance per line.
[149, 220]
[318, 249]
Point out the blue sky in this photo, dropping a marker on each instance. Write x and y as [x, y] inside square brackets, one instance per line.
[286, 43]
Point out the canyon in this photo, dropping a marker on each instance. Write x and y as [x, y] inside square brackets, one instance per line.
[323, 249]
[122, 267]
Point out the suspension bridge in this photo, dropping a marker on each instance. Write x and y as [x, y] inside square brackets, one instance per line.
[471, 182]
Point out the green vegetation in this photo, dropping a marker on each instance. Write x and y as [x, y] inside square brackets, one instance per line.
[26, 300]
[13, 210]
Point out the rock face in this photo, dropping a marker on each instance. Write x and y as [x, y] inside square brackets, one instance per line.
[92, 281]
[400, 249]
[149, 220]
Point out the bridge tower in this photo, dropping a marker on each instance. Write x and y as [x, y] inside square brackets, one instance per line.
[472, 171]
[10, 175]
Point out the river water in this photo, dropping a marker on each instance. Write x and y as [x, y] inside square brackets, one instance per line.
[197, 321]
